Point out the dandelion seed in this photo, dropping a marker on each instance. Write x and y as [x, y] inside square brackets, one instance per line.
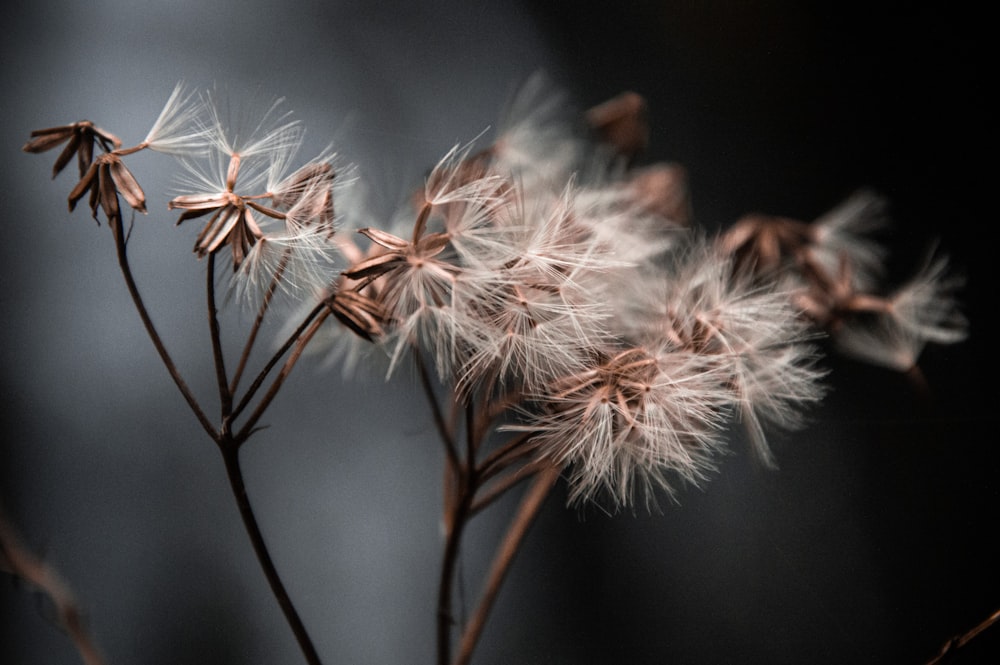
[179, 129]
[927, 306]
[844, 231]
[633, 423]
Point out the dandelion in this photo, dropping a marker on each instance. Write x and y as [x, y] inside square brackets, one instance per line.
[845, 232]
[894, 330]
[277, 227]
[752, 331]
[927, 305]
[633, 423]
[562, 291]
[540, 138]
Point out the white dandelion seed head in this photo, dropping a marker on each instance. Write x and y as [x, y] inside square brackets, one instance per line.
[180, 127]
[636, 423]
[537, 137]
[271, 133]
[845, 231]
[927, 305]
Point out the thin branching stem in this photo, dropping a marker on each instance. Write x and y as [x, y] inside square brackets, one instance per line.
[227, 444]
[531, 503]
[231, 455]
[225, 395]
[456, 517]
[258, 322]
[279, 380]
[516, 448]
[288, 343]
[503, 485]
[446, 433]
[17, 559]
[133, 289]
[960, 641]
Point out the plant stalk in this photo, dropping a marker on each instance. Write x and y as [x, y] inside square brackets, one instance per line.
[230, 455]
[532, 502]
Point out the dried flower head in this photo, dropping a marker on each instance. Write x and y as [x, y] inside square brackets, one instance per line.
[105, 179]
[79, 138]
[893, 331]
[633, 423]
[277, 225]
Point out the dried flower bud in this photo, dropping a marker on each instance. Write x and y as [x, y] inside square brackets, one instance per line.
[80, 136]
[663, 190]
[363, 315]
[105, 179]
[622, 123]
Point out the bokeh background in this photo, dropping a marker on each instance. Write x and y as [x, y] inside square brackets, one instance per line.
[873, 543]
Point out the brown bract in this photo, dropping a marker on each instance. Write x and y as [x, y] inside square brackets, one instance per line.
[105, 179]
[662, 189]
[399, 253]
[232, 222]
[309, 188]
[763, 242]
[80, 136]
[361, 314]
[830, 299]
[620, 380]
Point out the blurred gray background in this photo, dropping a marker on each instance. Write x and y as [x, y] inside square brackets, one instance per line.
[873, 543]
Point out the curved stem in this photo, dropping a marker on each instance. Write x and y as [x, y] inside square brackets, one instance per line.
[17, 559]
[455, 524]
[259, 380]
[265, 401]
[225, 396]
[457, 515]
[505, 455]
[230, 454]
[960, 641]
[444, 431]
[168, 362]
[504, 484]
[252, 337]
[532, 502]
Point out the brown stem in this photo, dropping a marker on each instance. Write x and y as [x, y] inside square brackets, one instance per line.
[532, 502]
[457, 514]
[454, 525]
[20, 561]
[228, 444]
[252, 337]
[960, 641]
[447, 434]
[230, 454]
[444, 431]
[294, 337]
[225, 395]
[168, 362]
[501, 486]
[293, 358]
[506, 454]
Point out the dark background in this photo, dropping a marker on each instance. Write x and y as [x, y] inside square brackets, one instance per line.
[873, 543]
